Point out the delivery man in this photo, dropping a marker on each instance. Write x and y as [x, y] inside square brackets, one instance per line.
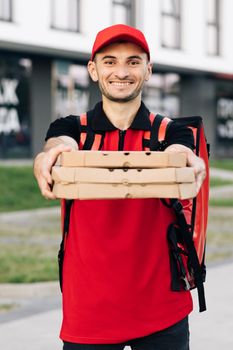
[116, 273]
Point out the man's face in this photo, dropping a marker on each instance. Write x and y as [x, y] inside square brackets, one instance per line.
[121, 70]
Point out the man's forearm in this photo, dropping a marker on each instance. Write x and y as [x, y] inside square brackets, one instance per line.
[178, 148]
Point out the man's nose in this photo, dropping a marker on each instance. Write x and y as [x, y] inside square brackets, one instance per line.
[122, 71]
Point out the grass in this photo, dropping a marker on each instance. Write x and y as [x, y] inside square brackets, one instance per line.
[225, 164]
[27, 264]
[19, 190]
[221, 202]
[216, 182]
[29, 246]
[30, 255]
[219, 236]
[25, 259]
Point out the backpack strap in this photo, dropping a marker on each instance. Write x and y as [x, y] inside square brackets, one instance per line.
[158, 133]
[147, 134]
[65, 216]
[192, 253]
[163, 128]
[89, 140]
[182, 232]
[83, 128]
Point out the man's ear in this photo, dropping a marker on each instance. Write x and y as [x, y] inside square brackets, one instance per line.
[91, 67]
[149, 71]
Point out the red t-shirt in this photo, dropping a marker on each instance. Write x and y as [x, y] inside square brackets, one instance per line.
[116, 271]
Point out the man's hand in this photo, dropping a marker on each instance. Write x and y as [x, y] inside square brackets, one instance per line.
[42, 168]
[194, 161]
[198, 165]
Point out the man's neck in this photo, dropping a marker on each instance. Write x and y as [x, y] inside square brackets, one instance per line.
[121, 115]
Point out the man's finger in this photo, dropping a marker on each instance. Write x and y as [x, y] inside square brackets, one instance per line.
[54, 152]
[48, 194]
[46, 190]
[45, 172]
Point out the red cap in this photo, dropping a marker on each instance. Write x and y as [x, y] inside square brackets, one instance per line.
[116, 33]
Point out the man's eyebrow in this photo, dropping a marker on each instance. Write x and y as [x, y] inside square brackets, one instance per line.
[135, 56]
[107, 56]
[129, 58]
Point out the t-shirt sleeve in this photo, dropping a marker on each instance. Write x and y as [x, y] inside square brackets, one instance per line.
[67, 126]
[179, 134]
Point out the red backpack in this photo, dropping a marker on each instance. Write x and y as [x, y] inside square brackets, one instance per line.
[186, 236]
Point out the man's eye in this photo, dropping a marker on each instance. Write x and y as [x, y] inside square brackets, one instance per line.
[134, 63]
[109, 63]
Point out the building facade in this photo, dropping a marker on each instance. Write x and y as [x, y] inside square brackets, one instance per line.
[46, 44]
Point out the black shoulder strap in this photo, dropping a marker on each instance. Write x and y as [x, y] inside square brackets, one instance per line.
[192, 254]
[65, 230]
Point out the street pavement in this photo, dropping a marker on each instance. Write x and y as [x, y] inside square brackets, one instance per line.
[212, 329]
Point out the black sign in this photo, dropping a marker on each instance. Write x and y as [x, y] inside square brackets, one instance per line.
[225, 119]
[14, 107]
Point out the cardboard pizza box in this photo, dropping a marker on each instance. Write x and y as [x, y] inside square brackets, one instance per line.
[120, 191]
[122, 159]
[67, 175]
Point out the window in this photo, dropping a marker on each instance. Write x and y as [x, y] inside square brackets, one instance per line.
[70, 88]
[124, 12]
[161, 93]
[213, 27]
[15, 119]
[171, 23]
[5, 10]
[66, 15]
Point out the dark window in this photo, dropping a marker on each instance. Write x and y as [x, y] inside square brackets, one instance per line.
[162, 93]
[5, 10]
[66, 15]
[124, 12]
[70, 88]
[171, 23]
[213, 27]
[15, 120]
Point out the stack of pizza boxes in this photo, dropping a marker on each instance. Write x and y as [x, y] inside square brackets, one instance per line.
[112, 175]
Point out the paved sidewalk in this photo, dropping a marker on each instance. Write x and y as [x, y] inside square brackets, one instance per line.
[212, 329]
[223, 174]
[221, 191]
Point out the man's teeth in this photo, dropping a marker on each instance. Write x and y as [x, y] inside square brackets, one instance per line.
[120, 84]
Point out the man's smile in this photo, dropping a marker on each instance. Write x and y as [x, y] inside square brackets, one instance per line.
[121, 83]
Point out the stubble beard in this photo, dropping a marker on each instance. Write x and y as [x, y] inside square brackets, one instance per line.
[125, 99]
